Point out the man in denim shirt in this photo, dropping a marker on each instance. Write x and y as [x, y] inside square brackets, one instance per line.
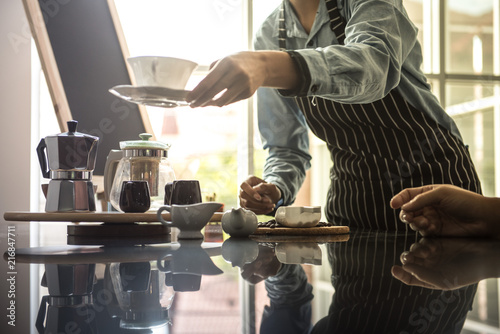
[349, 70]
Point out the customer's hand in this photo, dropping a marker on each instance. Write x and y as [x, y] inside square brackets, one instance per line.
[258, 196]
[448, 263]
[448, 210]
[237, 77]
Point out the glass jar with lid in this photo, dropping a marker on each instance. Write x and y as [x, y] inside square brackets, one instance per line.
[138, 160]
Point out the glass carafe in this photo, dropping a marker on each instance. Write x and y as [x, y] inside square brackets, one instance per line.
[138, 160]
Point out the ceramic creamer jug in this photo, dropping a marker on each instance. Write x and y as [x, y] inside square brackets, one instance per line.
[138, 160]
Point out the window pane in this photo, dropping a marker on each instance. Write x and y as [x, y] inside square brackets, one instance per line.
[261, 10]
[435, 87]
[204, 140]
[472, 106]
[469, 37]
[415, 10]
[200, 30]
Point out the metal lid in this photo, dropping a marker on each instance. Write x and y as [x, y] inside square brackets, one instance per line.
[72, 125]
[144, 144]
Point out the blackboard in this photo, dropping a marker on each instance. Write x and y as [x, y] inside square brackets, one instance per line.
[78, 39]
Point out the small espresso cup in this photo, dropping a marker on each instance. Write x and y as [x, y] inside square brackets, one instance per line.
[182, 192]
[134, 196]
[169, 72]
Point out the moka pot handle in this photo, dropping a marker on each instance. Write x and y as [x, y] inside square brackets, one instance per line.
[42, 158]
[42, 311]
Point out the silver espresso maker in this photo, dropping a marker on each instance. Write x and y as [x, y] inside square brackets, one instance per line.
[68, 160]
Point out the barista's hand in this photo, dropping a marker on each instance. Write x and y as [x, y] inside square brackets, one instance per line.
[237, 77]
[264, 266]
[258, 196]
[448, 210]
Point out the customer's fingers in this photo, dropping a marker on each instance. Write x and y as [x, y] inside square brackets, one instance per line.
[407, 195]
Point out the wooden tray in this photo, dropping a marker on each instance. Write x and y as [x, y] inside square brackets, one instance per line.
[90, 217]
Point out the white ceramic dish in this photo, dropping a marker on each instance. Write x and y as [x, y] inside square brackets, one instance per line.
[298, 216]
[151, 96]
[189, 218]
[157, 71]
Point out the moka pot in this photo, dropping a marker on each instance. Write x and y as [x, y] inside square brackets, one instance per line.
[68, 160]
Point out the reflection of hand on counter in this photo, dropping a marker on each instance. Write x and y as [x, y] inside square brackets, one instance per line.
[288, 290]
[264, 266]
[449, 263]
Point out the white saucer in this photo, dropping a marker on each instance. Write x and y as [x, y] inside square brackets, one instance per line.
[151, 96]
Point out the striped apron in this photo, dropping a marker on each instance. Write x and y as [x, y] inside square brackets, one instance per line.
[368, 299]
[379, 149]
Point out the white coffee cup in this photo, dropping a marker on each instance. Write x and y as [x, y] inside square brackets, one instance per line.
[159, 71]
[298, 216]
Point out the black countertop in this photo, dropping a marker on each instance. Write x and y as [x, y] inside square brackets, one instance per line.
[352, 284]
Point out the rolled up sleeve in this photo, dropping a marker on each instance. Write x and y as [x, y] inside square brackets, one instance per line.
[285, 134]
[379, 37]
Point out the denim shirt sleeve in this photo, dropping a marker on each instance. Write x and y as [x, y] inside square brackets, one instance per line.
[379, 38]
[282, 127]
[285, 134]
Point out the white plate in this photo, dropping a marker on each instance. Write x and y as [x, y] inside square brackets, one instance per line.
[151, 96]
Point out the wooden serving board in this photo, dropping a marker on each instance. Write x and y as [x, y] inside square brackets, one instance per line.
[302, 231]
[89, 217]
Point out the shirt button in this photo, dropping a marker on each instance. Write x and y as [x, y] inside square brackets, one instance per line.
[314, 88]
[310, 43]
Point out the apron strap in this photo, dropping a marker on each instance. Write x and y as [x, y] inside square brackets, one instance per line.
[337, 23]
[282, 28]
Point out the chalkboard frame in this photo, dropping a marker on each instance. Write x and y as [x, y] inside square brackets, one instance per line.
[54, 25]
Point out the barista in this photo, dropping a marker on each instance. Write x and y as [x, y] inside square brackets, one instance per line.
[349, 70]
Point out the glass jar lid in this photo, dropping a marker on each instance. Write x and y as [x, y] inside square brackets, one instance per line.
[144, 144]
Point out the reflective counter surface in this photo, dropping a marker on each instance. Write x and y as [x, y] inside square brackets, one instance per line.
[354, 283]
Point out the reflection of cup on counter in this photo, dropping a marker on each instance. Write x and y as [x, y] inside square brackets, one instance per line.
[166, 72]
[190, 218]
[185, 266]
[299, 253]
